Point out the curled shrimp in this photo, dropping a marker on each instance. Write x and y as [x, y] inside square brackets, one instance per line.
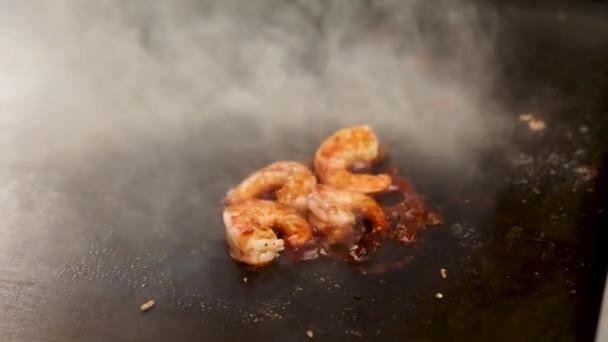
[334, 213]
[291, 181]
[251, 230]
[348, 147]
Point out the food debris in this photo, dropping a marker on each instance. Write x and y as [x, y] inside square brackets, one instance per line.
[587, 172]
[526, 117]
[439, 295]
[353, 332]
[536, 124]
[244, 279]
[310, 333]
[444, 273]
[147, 305]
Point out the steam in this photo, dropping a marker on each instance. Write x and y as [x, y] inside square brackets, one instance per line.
[145, 102]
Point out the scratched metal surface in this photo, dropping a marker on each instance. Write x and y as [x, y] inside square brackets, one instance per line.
[520, 242]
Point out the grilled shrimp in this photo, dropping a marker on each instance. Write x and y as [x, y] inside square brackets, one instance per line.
[346, 148]
[251, 227]
[292, 182]
[334, 213]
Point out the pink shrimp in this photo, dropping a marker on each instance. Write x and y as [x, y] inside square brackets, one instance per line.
[251, 227]
[334, 213]
[292, 182]
[348, 147]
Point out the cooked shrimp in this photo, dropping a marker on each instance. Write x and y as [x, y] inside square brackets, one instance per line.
[348, 147]
[333, 213]
[292, 182]
[251, 227]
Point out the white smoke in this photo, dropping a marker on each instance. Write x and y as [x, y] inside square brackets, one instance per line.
[140, 104]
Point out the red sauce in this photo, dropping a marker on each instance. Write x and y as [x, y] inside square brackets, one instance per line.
[406, 214]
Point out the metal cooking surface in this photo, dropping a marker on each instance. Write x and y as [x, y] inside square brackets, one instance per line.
[519, 243]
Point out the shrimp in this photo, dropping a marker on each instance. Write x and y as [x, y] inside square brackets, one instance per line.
[292, 182]
[333, 213]
[348, 147]
[251, 230]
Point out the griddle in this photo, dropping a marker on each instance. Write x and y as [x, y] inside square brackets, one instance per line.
[522, 242]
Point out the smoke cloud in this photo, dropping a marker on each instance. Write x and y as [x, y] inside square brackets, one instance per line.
[130, 107]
